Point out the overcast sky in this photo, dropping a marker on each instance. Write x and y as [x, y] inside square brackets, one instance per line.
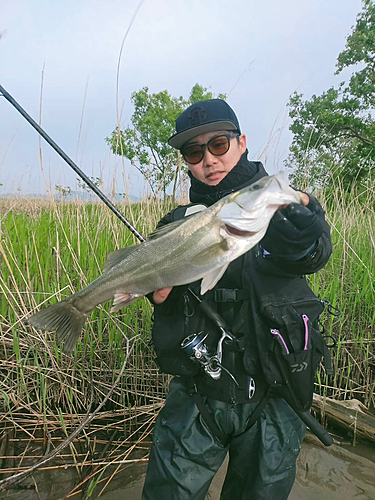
[283, 46]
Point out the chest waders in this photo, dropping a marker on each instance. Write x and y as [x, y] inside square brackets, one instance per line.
[196, 350]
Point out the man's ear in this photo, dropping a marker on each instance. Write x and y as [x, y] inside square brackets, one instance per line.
[243, 143]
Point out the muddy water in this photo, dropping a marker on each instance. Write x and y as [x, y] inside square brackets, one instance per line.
[335, 473]
[339, 472]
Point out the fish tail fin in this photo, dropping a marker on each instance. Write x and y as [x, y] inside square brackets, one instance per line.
[62, 317]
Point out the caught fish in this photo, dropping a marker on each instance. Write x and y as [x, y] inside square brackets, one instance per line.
[198, 247]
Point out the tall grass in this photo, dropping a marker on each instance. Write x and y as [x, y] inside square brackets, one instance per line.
[48, 250]
[51, 249]
[48, 254]
[348, 283]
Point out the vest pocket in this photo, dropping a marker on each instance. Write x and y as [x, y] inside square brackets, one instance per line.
[167, 333]
[297, 371]
[174, 320]
[295, 346]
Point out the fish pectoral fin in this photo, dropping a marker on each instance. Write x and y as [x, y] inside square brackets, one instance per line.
[211, 279]
[117, 256]
[122, 299]
[211, 253]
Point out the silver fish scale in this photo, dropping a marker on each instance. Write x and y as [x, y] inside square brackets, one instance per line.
[166, 261]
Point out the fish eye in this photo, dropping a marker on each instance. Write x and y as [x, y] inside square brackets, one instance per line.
[255, 187]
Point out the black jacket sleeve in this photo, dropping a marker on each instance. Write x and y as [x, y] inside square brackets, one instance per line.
[309, 264]
[164, 220]
[314, 261]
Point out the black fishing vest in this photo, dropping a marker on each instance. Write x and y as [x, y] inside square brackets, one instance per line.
[273, 314]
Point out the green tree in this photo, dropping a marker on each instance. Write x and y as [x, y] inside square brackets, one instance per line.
[63, 191]
[82, 184]
[144, 142]
[334, 133]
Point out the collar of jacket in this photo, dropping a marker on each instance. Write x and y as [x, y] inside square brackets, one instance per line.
[243, 174]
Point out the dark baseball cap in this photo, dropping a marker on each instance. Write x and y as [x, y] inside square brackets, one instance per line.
[202, 117]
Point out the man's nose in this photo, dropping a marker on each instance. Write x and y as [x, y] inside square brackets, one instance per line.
[208, 158]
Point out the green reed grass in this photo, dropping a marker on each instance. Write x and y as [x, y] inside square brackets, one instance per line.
[50, 250]
[348, 283]
[47, 254]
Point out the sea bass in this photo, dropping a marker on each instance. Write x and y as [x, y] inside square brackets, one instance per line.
[198, 247]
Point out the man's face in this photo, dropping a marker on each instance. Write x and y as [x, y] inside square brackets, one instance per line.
[212, 169]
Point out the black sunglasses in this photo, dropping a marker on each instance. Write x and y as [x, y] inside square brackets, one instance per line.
[217, 145]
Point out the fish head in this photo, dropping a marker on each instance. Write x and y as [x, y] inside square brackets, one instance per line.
[270, 190]
[251, 208]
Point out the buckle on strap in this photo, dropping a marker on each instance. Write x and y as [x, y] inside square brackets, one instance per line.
[228, 294]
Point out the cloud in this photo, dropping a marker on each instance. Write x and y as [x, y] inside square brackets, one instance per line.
[172, 45]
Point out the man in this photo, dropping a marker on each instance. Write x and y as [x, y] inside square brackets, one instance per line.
[241, 412]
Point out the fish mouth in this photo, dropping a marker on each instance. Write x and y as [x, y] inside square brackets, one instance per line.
[238, 232]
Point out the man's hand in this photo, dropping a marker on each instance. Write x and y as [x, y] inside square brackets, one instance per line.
[161, 294]
[294, 228]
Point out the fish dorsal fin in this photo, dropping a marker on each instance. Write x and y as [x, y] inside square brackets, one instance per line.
[211, 279]
[117, 256]
[161, 231]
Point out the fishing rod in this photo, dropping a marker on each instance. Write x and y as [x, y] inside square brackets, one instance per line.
[71, 163]
[305, 416]
[86, 179]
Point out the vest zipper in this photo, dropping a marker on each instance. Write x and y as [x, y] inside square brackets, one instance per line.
[293, 301]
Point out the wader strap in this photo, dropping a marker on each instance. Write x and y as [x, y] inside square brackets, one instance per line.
[207, 418]
[228, 294]
[327, 360]
[258, 410]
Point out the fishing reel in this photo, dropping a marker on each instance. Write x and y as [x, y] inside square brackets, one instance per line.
[197, 351]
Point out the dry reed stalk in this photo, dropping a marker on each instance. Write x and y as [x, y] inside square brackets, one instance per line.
[6, 483]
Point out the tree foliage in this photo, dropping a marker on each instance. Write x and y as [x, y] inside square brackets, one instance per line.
[334, 133]
[144, 142]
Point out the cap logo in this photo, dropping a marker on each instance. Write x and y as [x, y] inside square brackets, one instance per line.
[197, 116]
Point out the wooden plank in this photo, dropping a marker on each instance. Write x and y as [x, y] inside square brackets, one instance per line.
[352, 416]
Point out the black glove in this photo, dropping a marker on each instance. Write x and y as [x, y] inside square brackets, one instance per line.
[294, 229]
